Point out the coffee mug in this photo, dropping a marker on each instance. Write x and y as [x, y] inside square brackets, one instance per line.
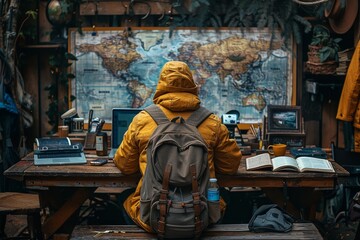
[63, 131]
[278, 149]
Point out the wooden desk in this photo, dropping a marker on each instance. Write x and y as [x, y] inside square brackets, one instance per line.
[63, 189]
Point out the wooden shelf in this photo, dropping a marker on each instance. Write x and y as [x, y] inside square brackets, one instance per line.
[43, 46]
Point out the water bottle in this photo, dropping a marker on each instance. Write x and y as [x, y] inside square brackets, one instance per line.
[213, 190]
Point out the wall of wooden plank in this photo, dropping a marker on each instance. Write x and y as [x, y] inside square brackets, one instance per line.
[113, 13]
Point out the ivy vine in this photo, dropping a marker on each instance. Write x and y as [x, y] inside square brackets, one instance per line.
[60, 78]
[273, 14]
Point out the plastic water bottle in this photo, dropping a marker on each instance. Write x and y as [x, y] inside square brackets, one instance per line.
[213, 190]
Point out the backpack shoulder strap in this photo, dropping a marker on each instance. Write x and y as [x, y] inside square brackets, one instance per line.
[197, 117]
[157, 114]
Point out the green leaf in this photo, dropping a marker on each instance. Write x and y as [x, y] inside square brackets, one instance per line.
[337, 40]
[230, 15]
[70, 56]
[324, 56]
[32, 14]
[70, 75]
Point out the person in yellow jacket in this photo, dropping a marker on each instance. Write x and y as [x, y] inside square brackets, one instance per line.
[349, 105]
[177, 95]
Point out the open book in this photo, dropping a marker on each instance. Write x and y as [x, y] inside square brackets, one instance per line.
[286, 163]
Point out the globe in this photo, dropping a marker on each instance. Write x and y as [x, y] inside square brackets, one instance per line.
[59, 12]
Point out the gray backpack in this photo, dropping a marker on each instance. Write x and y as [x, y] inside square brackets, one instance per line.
[173, 194]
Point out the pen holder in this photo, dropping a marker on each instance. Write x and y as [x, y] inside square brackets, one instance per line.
[254, 145]
[90, 141]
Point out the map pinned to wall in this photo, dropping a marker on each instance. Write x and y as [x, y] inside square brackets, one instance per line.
[235, 69]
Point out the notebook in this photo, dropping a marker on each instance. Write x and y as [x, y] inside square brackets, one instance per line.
[121, 119]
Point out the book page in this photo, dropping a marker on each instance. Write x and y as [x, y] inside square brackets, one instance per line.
[284, 163]
[259, 161]
[314, 164]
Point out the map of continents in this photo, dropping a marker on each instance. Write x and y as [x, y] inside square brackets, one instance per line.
[236, 70]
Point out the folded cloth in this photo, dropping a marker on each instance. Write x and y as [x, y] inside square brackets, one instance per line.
[270, 218]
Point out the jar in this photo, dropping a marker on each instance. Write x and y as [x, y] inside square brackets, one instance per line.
[101, 144]
[78, 124]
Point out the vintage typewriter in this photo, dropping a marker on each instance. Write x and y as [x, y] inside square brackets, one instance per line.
[57, 151]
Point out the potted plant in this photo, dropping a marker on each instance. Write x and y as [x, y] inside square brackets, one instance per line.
[323, 51]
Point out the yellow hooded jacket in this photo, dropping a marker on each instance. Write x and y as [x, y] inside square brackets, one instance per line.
[177, 95]
[349, 105]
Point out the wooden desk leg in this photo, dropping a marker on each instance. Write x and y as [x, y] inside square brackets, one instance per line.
[301, 203]
[276, 195]
[67, 208]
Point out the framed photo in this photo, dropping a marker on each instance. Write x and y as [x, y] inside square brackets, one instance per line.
[284, 119]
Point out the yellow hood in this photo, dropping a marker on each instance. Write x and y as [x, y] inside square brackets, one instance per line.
[176, 89]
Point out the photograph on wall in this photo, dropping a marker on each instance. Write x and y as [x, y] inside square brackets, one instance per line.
[235, 69]
[284, 118]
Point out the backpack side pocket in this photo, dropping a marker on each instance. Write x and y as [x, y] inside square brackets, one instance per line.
[214, 211]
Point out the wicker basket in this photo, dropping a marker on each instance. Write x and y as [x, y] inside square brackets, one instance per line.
[313, 57]
[322, 68]
[313, 54]
[313, 48]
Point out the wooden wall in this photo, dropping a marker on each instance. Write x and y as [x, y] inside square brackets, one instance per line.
[112, 13]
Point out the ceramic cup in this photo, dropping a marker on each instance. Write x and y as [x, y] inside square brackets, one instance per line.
[278, 149]
[63, 131]
[78, 124]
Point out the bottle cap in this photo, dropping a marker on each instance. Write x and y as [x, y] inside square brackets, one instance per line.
[213, 180]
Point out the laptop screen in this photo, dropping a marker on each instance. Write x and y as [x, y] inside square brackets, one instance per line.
[121, 119]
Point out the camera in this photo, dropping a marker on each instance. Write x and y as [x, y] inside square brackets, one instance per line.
[229, 119]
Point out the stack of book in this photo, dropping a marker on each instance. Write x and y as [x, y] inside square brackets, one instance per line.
[344, 61]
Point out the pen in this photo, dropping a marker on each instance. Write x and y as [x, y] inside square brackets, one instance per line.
[100, 126]
[91, 112]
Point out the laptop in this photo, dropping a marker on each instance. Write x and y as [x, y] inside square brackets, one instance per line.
[121, 119]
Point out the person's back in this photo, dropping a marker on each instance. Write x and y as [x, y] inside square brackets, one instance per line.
[176, 95]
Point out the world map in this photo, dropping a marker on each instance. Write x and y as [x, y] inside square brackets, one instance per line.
[243, 70]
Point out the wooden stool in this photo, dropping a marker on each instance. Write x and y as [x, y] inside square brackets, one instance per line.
[15, 203]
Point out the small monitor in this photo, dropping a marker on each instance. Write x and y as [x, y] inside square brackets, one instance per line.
[121, 119]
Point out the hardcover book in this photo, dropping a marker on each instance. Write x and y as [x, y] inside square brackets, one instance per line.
[287, 163]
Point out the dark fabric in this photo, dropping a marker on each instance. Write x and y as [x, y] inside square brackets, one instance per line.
[9, 130]
[126, 219]
[348, 136]
[308, 152]
[354, 210]
[9, 137]
[270, 218]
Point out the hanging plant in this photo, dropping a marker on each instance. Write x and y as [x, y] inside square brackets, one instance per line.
[60, 78]
[324, 45]
[323, 51]
[272, 14]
